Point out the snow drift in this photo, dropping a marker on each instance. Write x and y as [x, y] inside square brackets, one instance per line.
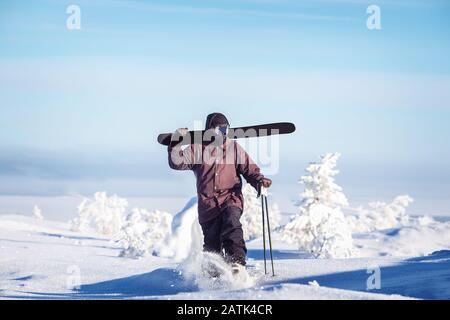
[186, 236]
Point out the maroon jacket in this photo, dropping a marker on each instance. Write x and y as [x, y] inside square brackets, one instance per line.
[218, 171]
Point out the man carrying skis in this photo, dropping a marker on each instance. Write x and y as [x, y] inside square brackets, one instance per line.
[218, 166]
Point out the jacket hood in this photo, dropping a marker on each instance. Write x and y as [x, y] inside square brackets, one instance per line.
[215, 119]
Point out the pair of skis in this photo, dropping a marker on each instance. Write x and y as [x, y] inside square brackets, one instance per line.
[205, 136]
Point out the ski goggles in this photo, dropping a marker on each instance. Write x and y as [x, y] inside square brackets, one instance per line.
[223, 130]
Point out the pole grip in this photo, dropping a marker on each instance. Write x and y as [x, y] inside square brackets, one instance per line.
[259, 188]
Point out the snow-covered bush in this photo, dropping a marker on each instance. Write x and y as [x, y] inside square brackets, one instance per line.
[381, 215]
[251, 217]
[105, 213]
[425, 220]
[320, 227]
[37, 213]
[142, 231]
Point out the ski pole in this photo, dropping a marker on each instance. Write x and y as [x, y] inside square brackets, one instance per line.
[263, 227]
[265, 207]
[268, 232]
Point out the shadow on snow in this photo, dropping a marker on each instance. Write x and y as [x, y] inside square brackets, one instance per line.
[421, 277]
[155, 284]
[160, 282]
[258, 254]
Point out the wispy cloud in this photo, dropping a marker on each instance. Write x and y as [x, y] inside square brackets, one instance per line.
[62, 165]
[424, 3]
[170, 85]
[229, 12]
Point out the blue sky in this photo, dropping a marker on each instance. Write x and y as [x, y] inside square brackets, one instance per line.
[80, 109]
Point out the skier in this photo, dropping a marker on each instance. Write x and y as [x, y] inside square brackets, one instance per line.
[218, 166]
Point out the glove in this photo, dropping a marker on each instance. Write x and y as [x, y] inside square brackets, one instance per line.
[266, 182]
[181, 132]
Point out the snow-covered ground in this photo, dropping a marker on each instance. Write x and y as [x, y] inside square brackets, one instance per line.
[111, 250]
[42, 259]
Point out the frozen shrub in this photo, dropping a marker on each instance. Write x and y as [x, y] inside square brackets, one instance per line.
[425, 220]
[143, 231]
[320, 227]
[105, 213]
[37, 213]
[380, 215]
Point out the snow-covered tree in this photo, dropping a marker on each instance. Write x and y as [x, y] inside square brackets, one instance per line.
[37, 213]
[105, 213]
[381, 215]
[320, 227]
[142, 232]
[251, 217]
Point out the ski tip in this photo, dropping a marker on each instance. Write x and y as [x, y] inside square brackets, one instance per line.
[292, 126]
[164, 139]
[239, 132]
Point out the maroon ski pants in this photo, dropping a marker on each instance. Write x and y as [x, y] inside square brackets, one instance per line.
[224, 235]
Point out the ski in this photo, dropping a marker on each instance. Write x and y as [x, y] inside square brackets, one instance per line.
[199, 136]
